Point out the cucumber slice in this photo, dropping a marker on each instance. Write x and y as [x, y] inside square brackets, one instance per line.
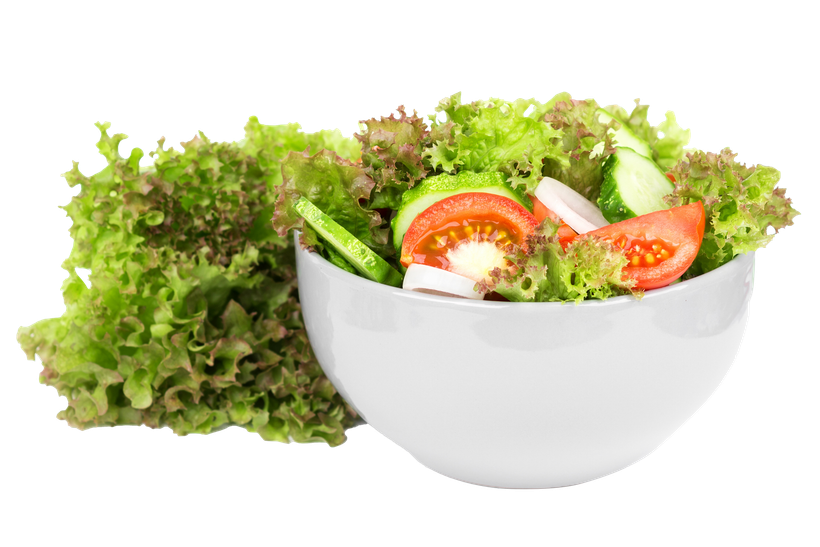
[434, 189]
[633, 186]
[366, 262]
[624, 137]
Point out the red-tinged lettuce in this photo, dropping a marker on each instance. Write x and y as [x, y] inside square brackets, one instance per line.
[744, 207]
[392, 155]
[666, 140]
[542, 271]
[586, 141]
[191, 319]
[494, 135]
[341, 189]
[355, 194]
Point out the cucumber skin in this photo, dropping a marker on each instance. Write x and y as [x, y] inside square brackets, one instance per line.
[357, 254]
[625, 131]
[610, 202]
[483, 182]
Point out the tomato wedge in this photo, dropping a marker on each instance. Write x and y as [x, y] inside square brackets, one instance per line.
[541, 211]
[466, 233]
[660, 245]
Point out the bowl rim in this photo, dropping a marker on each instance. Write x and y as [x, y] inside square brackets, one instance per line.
[739, 262]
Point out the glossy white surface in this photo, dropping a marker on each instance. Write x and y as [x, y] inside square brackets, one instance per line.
[525, 395]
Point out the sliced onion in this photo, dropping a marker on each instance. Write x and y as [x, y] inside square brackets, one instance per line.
[430, 280]
[581, 214]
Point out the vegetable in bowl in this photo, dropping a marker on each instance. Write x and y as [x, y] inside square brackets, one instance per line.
[190, 317]
[614, 199]
[565, 399]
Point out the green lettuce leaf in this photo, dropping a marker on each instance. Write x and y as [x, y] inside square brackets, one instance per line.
[587, 143]
[392, 155]
[494, 135]
[542, 271]
[191, 319]
[341, 189]
[744, 207]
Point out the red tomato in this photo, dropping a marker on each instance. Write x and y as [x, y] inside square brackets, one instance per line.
[477, 215]
[541, 211]
[660, 245]
[565, 233]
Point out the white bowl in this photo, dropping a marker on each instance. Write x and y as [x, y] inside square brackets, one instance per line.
[524, 395]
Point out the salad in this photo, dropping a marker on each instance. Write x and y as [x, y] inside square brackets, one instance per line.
[529, 202]
[190, 317]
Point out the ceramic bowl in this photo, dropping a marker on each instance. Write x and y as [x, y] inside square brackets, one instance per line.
[524, 395]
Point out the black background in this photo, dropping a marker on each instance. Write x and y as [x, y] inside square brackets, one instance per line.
[738, 429]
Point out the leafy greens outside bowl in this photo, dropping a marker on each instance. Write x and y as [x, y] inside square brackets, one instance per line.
[524, 395]
[190, 319]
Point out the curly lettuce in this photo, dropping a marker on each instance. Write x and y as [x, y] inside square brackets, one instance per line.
[586, 141]
[355, 194]
[744, 208]
[524, 139]
[334, 185]
[191, 319]
[392, 151]
[495, 135]
[543, 271]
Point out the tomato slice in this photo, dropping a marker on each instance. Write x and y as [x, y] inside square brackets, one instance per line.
[466, 233]
[660, 245]
[541, 211]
